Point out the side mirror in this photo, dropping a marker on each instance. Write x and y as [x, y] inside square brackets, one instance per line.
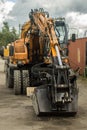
[73, 37]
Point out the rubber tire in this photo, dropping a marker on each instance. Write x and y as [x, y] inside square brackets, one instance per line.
[5, 66]
[9, 78]
[26, 80]
[17, 82]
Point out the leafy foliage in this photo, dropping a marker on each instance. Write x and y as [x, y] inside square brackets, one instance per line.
[6, 35]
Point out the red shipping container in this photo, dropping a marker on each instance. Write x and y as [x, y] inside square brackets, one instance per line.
[78, 54]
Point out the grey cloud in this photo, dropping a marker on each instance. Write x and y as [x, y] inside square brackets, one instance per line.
[56, 8]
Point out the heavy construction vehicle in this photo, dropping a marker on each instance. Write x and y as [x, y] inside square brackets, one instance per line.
[27, 51]
[40, 60]
[4, 51]
[55, 83]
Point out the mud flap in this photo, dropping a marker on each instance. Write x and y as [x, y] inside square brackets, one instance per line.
[40, 101]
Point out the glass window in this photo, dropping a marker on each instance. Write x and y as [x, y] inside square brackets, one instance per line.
[61, 32]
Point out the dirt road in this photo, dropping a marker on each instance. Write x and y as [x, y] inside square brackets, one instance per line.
[16, 112]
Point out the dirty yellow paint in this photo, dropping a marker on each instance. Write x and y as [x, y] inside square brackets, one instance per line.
[6, 52]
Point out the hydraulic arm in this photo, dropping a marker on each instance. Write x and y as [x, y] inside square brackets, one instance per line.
[25, 29]
[46, 27]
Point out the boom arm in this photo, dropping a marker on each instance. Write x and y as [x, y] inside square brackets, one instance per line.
[46, 26]
[25, 29]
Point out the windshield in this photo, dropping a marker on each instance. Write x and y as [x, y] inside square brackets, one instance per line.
[61, 32]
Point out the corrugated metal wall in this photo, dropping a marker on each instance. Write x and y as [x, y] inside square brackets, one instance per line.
[77, 54]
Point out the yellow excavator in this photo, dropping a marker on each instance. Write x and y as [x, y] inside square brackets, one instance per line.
[39, 60]
[55, 89]
[4, 51]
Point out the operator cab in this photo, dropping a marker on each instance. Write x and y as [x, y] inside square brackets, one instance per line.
[61, 32]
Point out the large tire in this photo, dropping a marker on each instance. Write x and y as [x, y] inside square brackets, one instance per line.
[26, 80]
[5, 66]
[17, 82]
[9, 78]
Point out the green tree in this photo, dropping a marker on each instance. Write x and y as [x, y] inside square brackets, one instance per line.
[7, 35]
[5, 27]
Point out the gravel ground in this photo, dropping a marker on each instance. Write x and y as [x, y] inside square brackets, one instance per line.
[16, 112]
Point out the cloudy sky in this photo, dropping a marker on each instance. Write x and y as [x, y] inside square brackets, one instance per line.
[16, 12]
